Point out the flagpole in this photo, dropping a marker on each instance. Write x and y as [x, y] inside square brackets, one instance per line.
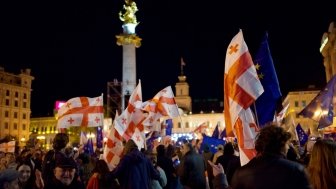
[256, 114]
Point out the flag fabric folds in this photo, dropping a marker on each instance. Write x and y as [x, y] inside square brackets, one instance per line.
[241, 88]
[281, 115]
[267, 102]
[211, 142]
[162, 104]
[302, 135]
[129, 123]
[7, 146]
[99, 142]
[168, 126]
[113, 148]
[321, 108]
[215, 133]
[222, 134]
[201, 128]
[81, 111]
[88, 147]
[83, 138]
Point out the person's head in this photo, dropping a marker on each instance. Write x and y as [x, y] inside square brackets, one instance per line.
[25, 169]
[187, 147]
[60, 141]
[101, 167]
[129, 146]
[160, 150]
[9, 179]
[206, 148]
[228, 149]
[220, 147]
[65, 170]
[322, 164]
[272, 139]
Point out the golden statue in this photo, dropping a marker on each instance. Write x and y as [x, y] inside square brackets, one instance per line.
[129, 16]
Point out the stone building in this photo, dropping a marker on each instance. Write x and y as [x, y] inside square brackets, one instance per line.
[15, 97]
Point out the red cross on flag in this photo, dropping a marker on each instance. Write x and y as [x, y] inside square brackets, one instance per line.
[201, 128]
[7, 147]
[241, 88]
[132, 117]
[113, 148]
[162, 104]
[81, 111]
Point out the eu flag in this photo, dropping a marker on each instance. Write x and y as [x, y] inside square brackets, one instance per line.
[88, 148]
[266, 103]
[215, 133]
[303, 137]
[169, 126]
[223, 134]
[321, 108]
[99, 137]
[211, 142]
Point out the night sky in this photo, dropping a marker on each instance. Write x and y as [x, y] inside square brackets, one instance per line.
[71, 47]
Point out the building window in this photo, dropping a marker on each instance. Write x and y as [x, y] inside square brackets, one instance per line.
[179, 125]
[303, 103]
[16, 94]
[24, 116]
[16, 103]
[24, 95]
[24, 127]
[6, 125]
[7, 102]
[15, 115]
[24, 104]
[296, 104]
[7, 93]
[6, 114]
[15, 126]
[187, 125]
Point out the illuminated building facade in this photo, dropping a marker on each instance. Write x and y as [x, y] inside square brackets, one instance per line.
[43, 131]
[328, 50]
[297, 101]
[15, 97]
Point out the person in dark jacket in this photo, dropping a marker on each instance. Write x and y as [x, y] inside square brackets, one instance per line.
[229, 161]
[270, 168]
[167, 165]
[134, 170]
[192, 168]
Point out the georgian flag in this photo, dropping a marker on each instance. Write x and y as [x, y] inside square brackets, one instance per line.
[130, 120]
[241, 88]
[8, 146]
[162, 104]
[81, 111]
[113, 148]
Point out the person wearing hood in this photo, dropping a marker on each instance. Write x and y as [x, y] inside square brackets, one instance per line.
[134, 170]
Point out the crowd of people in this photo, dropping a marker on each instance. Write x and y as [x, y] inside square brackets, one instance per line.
[278, 164]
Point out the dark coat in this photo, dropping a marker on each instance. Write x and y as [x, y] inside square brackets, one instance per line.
[135, 171]
[56, 184]
[192, 171]
[230, 164]
[270, 171]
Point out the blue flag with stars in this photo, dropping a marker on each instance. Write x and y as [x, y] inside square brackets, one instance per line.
[321, 108]
[303, 137]
[267, 102]
[215, 133]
